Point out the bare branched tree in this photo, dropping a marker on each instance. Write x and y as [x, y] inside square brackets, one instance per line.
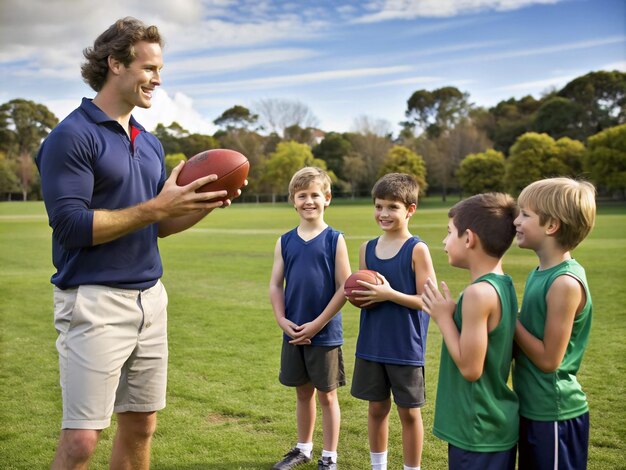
[275, 115]
[368, 125]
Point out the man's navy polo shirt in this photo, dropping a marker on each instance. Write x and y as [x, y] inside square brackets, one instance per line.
[88, 162]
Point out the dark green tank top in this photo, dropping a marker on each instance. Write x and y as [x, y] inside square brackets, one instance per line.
[553, 396]
[481, 416]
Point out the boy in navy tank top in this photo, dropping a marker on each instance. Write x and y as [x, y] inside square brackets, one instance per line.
[306, 291]
[392, 334]
[476, 410]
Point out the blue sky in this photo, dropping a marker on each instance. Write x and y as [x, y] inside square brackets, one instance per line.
[349, 61]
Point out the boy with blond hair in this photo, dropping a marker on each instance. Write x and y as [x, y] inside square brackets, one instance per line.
[476, 412]
[391, 345]
[552, 332]
[306, 291]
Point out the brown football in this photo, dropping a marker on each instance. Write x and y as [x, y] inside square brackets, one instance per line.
[351, 285]
[231, 168]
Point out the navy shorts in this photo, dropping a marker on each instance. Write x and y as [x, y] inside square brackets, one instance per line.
[561, 445]
[460, 459]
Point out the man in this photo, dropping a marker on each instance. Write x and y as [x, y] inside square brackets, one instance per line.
[108, 199]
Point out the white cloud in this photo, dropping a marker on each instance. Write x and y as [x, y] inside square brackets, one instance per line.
[16, 53]
[399, 81]
[233, 62]
[215, 33]
[225, 52]
[556, 48]
[61, 108]
[385, 10]
[621, 66]
[45, 38]
[558, 81]
[55, 24]
[296, 79]
[346, 9]
[185, 24]
[460, 47]
[513, 54]
[166, 109]
[538, 85]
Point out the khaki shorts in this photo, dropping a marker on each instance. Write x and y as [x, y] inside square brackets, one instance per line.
[375, 381]
[320, 365]
[112, 348]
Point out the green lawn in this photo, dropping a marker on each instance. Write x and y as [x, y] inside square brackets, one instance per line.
[226, 409]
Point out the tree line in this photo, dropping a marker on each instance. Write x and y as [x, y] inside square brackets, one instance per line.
[449, 144]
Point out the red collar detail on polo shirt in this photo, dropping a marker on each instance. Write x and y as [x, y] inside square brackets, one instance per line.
[134, 132]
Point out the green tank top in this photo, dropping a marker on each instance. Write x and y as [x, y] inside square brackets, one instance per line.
[553, 396]
[481, 416]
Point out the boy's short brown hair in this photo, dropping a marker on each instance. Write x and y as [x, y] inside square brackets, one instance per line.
[571, 202]
[306, 176]
[490, 216]
[397, 187]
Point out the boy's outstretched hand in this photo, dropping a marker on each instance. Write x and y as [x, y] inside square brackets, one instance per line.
[436, 304]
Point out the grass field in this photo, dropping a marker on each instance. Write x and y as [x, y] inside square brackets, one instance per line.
[226, 409]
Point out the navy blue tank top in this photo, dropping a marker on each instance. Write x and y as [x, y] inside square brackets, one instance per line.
[389, 332]
[310, 282]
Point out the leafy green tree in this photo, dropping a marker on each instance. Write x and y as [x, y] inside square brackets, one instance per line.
[23, 126]
[193, 144]
[605, 159]
[401, 159]
[333, 149]
[482, 172]
[288, 158]
[254, 147]
[444, 153]
[535, 156]
[9, 183]
[435, 159]
[465, 138]
[570, 154]
[270, 143]
[237, 117]
[355, 170]
[28, 176]
[583, 107]
[299, 134]
[602, 98]
[437, 111]
[526, 160]
[170, 137]
[373, 149]
[176, 139]
[559, 117]
[443, 116]
[173, 159]
[510, 119]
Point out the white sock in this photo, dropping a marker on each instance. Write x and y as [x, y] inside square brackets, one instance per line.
[406, 467]
[379, 460]
[306, 448]
[332, 455]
